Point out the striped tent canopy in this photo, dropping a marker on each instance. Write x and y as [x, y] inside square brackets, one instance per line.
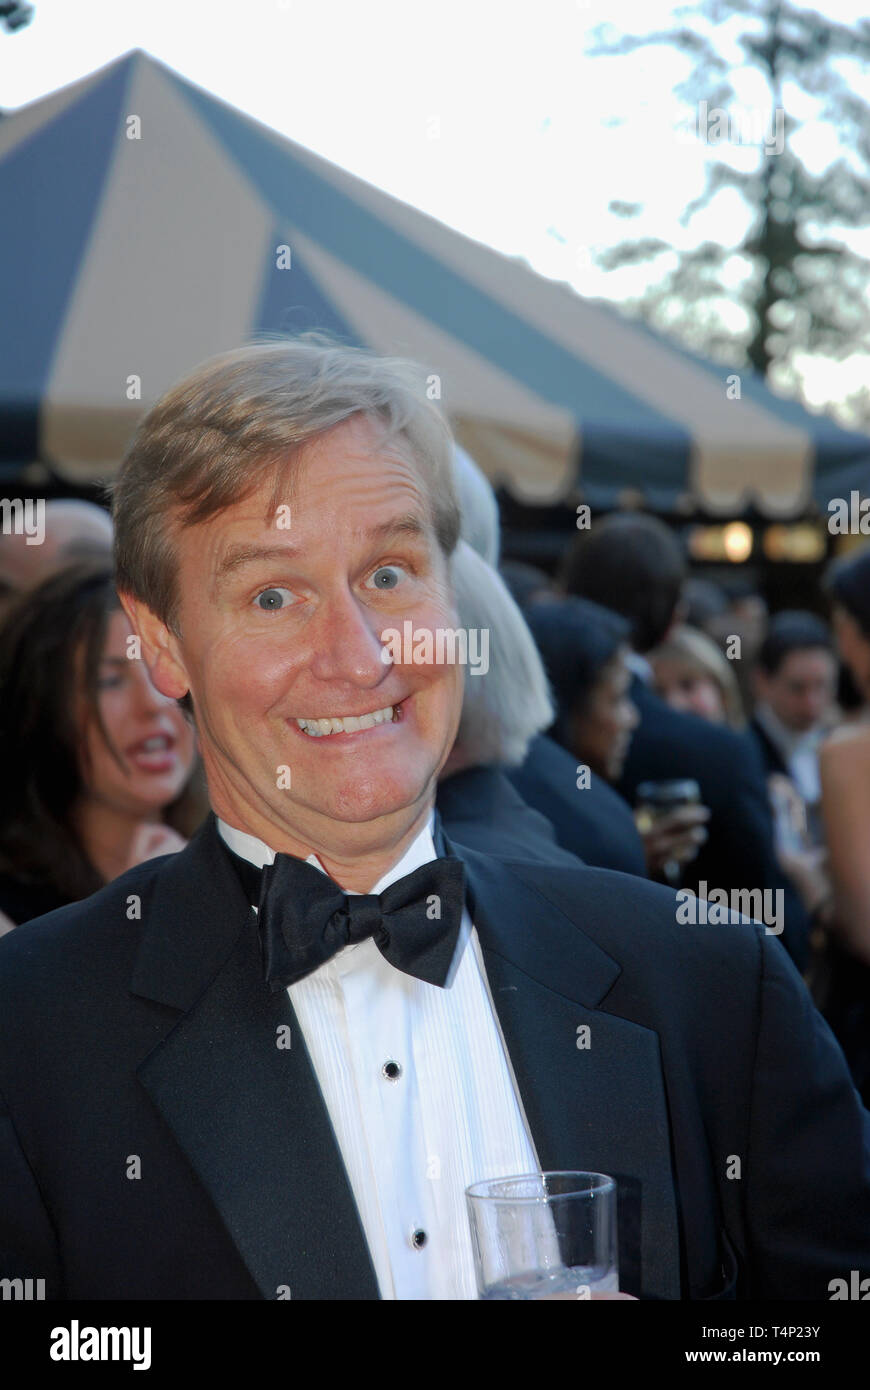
[141, 233]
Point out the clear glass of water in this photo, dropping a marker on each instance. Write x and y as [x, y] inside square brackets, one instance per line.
[544, 1235]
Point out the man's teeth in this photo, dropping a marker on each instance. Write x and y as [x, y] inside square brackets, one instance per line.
[317, 728]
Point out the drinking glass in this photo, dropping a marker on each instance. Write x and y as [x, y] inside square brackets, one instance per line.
[658, 799]
[544, 1235]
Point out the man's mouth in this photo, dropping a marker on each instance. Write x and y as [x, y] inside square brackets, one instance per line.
[350, 723]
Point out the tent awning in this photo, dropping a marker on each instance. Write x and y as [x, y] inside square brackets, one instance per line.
[138, 247]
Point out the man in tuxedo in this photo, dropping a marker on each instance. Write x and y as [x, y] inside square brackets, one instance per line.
[633, 564]
[268, 1066]
[796, 685]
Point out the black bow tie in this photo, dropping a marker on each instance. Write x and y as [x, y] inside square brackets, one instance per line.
[304, 918]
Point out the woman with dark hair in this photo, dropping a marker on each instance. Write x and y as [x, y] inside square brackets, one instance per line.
[585, 650]
[841, 980]
[92, 755]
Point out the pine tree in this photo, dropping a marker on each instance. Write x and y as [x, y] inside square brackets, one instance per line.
[802, 290]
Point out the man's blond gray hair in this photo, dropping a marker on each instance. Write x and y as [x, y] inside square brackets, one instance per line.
[245, 417]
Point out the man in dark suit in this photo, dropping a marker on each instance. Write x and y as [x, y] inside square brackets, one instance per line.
[634, 565]
[480, 808]
[267, 1066]
[795, 681]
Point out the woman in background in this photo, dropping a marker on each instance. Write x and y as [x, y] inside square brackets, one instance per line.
[585, 653]
[93, 756]
[693, 675]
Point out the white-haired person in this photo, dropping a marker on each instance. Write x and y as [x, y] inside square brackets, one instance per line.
[281, 1026]
[505, 713]
[504, 705]
[479, 522]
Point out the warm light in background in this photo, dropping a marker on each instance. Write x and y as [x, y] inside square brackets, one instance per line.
[802, 544]
[713, 544]
[737, 542]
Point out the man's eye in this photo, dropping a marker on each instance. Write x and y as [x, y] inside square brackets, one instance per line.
[272, 600]
[385, 577]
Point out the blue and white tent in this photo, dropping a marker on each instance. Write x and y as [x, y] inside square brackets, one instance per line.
[141, 224]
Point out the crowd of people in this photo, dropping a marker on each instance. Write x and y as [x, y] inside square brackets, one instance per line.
[619, 664]
[657, 676]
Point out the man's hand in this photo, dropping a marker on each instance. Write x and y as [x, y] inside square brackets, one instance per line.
[674, 837]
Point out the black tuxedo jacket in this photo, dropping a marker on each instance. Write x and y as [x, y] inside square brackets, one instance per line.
[480, 808]
[157, 1143]
[739, 851]
[595, 823]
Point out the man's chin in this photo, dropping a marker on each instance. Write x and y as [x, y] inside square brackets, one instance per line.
[361, 802]
[362, 810]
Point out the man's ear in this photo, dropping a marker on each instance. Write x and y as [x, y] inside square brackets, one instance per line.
[160, 648]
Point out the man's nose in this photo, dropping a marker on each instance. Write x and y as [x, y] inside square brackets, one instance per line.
[346, 642]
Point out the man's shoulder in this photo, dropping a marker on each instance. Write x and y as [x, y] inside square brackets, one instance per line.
[642, 924]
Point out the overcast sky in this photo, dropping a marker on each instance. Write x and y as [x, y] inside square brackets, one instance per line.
[484, 113]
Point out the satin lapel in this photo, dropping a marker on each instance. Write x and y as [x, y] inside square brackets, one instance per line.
[235, 1084]
[594, 1100]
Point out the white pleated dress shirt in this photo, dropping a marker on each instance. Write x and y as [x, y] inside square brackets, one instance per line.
[445, 1112]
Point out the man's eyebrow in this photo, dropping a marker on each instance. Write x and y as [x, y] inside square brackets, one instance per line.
[237, 556]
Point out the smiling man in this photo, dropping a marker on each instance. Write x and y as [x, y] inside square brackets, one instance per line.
[277, 625]
[268, 1066]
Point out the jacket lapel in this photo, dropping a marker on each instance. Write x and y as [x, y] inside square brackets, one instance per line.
[243, 1105]
[600, 1107]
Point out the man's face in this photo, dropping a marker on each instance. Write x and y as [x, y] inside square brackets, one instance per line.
[281, 625]
[801, 692]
